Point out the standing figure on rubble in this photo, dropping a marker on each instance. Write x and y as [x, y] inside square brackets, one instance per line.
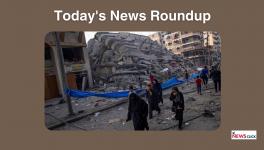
[186, 76]
[153, 100]
[137, 111]
[158, 90]
[177, 105]
[140, 82]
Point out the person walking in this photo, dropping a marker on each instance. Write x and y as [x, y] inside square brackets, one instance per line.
[204, 76]
[216, 77]
[158, 90]
[186, 76]
[177, 105]
[153, 100]
[140, 82]
[137, 111]
[198, 82]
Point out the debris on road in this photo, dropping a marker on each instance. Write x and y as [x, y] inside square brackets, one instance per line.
[187, 123]
[97, 114]
[208, 113]
[114, 120]
[191, 99]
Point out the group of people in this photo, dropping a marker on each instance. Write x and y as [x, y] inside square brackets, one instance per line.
[202, 79]
[139, 110]
[214, 74]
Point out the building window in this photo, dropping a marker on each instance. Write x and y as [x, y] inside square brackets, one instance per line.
[73, 55]
[47, 53]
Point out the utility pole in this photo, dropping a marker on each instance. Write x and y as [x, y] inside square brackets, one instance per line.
[63, 73]
[208, 49]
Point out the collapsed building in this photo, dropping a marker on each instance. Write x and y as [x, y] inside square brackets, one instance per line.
[120, 59]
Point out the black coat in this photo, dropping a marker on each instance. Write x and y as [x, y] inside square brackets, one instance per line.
[215, 75]
[177, 103]
[138, 112]
[157, 89]
[153, 100]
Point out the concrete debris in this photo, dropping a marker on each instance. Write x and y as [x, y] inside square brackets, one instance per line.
[120, 108]
[164, 122]
[114, 120]
[123, 123]
[100, 100]
[81, 111]
[97, 114]
[96, 104]
[208, 113]
[191, 99]
[62, 101]
[120, 59]
[161, 121]
[168, 118]
[208, 91]
[211, 103]
[171, 117]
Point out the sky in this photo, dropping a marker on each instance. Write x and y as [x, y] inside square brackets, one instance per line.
[89, 35]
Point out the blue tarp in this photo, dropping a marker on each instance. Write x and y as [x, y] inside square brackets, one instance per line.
[171, 82]
[119, 94]
[193, 76]
[114, 94]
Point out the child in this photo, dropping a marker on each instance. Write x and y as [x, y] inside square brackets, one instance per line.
[199, 85]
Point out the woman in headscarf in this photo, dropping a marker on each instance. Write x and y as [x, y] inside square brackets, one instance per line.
[137, 112]
[153, 100]
[177, 105]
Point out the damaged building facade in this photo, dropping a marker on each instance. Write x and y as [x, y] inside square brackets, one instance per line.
[201, 48]
[76, 63]
[121, 59]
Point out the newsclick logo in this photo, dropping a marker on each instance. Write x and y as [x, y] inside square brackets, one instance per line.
[243, 134]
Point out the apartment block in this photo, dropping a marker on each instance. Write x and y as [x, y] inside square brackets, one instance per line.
[201, 48]
[76, 63]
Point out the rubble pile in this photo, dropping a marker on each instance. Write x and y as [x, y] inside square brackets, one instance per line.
[120, 59]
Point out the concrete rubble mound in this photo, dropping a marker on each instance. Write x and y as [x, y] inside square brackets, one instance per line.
[120, 59]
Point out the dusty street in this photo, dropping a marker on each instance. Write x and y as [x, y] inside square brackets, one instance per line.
[202, 112]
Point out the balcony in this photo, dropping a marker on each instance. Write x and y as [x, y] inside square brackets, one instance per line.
[190, 48]
[186, 35]
[191, 43]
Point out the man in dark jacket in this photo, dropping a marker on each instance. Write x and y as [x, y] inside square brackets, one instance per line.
[177, 105]
[153, 100]
[216, 77]
[158, 90]
[204, 75]
[137, 112]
